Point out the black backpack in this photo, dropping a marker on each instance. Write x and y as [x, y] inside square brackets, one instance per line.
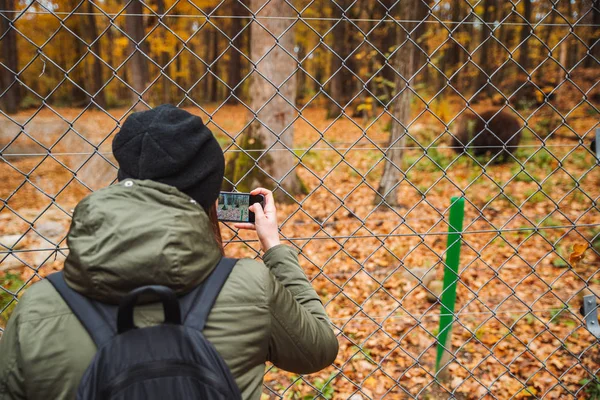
[172, 360]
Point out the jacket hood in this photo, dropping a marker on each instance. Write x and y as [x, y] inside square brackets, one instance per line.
[138, 233]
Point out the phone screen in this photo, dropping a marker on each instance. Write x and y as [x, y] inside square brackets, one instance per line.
[234, 207]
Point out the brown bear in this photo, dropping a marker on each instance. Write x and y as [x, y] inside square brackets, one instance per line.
[486, 133]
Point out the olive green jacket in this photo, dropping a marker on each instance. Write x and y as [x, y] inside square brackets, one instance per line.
[143, 233]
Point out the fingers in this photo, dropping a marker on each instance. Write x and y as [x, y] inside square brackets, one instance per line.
[269, 200]
[259, 214]
[245, 226]
[263, 191]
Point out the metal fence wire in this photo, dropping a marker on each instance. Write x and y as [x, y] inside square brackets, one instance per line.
[365, 117]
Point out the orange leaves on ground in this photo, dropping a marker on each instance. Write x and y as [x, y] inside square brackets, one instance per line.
[578, 252]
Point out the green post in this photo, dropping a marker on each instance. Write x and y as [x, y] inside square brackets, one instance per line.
[457, 213]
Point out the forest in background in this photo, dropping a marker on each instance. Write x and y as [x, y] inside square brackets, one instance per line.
[355, 58]
[69, 52]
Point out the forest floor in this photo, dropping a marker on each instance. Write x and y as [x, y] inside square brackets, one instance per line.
[518, 332]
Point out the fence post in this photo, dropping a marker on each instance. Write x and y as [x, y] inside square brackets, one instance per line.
[457, 213]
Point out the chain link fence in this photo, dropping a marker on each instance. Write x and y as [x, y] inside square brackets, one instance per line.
[348, 110]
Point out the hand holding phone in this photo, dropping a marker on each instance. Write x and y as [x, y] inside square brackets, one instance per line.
[265, 220]
[235, 207]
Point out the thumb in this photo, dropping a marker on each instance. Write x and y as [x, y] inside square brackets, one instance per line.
[258, 212]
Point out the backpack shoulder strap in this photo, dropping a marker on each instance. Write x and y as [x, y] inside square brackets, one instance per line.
[197, 304]
[98, 319]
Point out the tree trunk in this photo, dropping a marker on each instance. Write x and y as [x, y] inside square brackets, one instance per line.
[164, 58]
[138, 65]
[466, 82]
[504, 40]
[352, 65]
[550, 68]
[404, 65]
[179, 68]
[563, 53]
[420, 58]
[78, 93]
[206, 35]
[365, 70]
[109, 40]
[553, 11]
[575, 48]
[234, 72]
[453, 53]
[270, 129]
[214, 83]
[594, 50]
[210, 81]
[301, 75]
[80, 85]
[8, 74]
[319, 67]
[485, 34]
[195, 93]
[337, 81]
[388, 43]
[525, 34]
[98, 96]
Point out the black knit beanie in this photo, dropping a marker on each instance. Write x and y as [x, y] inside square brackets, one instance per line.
[171, 146]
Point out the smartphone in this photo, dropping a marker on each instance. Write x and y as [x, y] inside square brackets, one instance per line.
[233, 207]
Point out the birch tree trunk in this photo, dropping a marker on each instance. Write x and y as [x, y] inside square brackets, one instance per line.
[404, 65]
[273, 96]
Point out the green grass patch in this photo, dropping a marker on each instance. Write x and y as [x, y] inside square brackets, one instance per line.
[594, 237]
[324, 386]
[438, 158]
[534, 196]
[561, 316]
[591, 111]
[592, 388]
[312, 159]
[551, 222]
[578, 196]
[529, 318]
[543, 159]
[560, 252]
[527, 135]
[523, 154]
[362, 353]
[431, 161]
[580, 159]
[521, 175]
